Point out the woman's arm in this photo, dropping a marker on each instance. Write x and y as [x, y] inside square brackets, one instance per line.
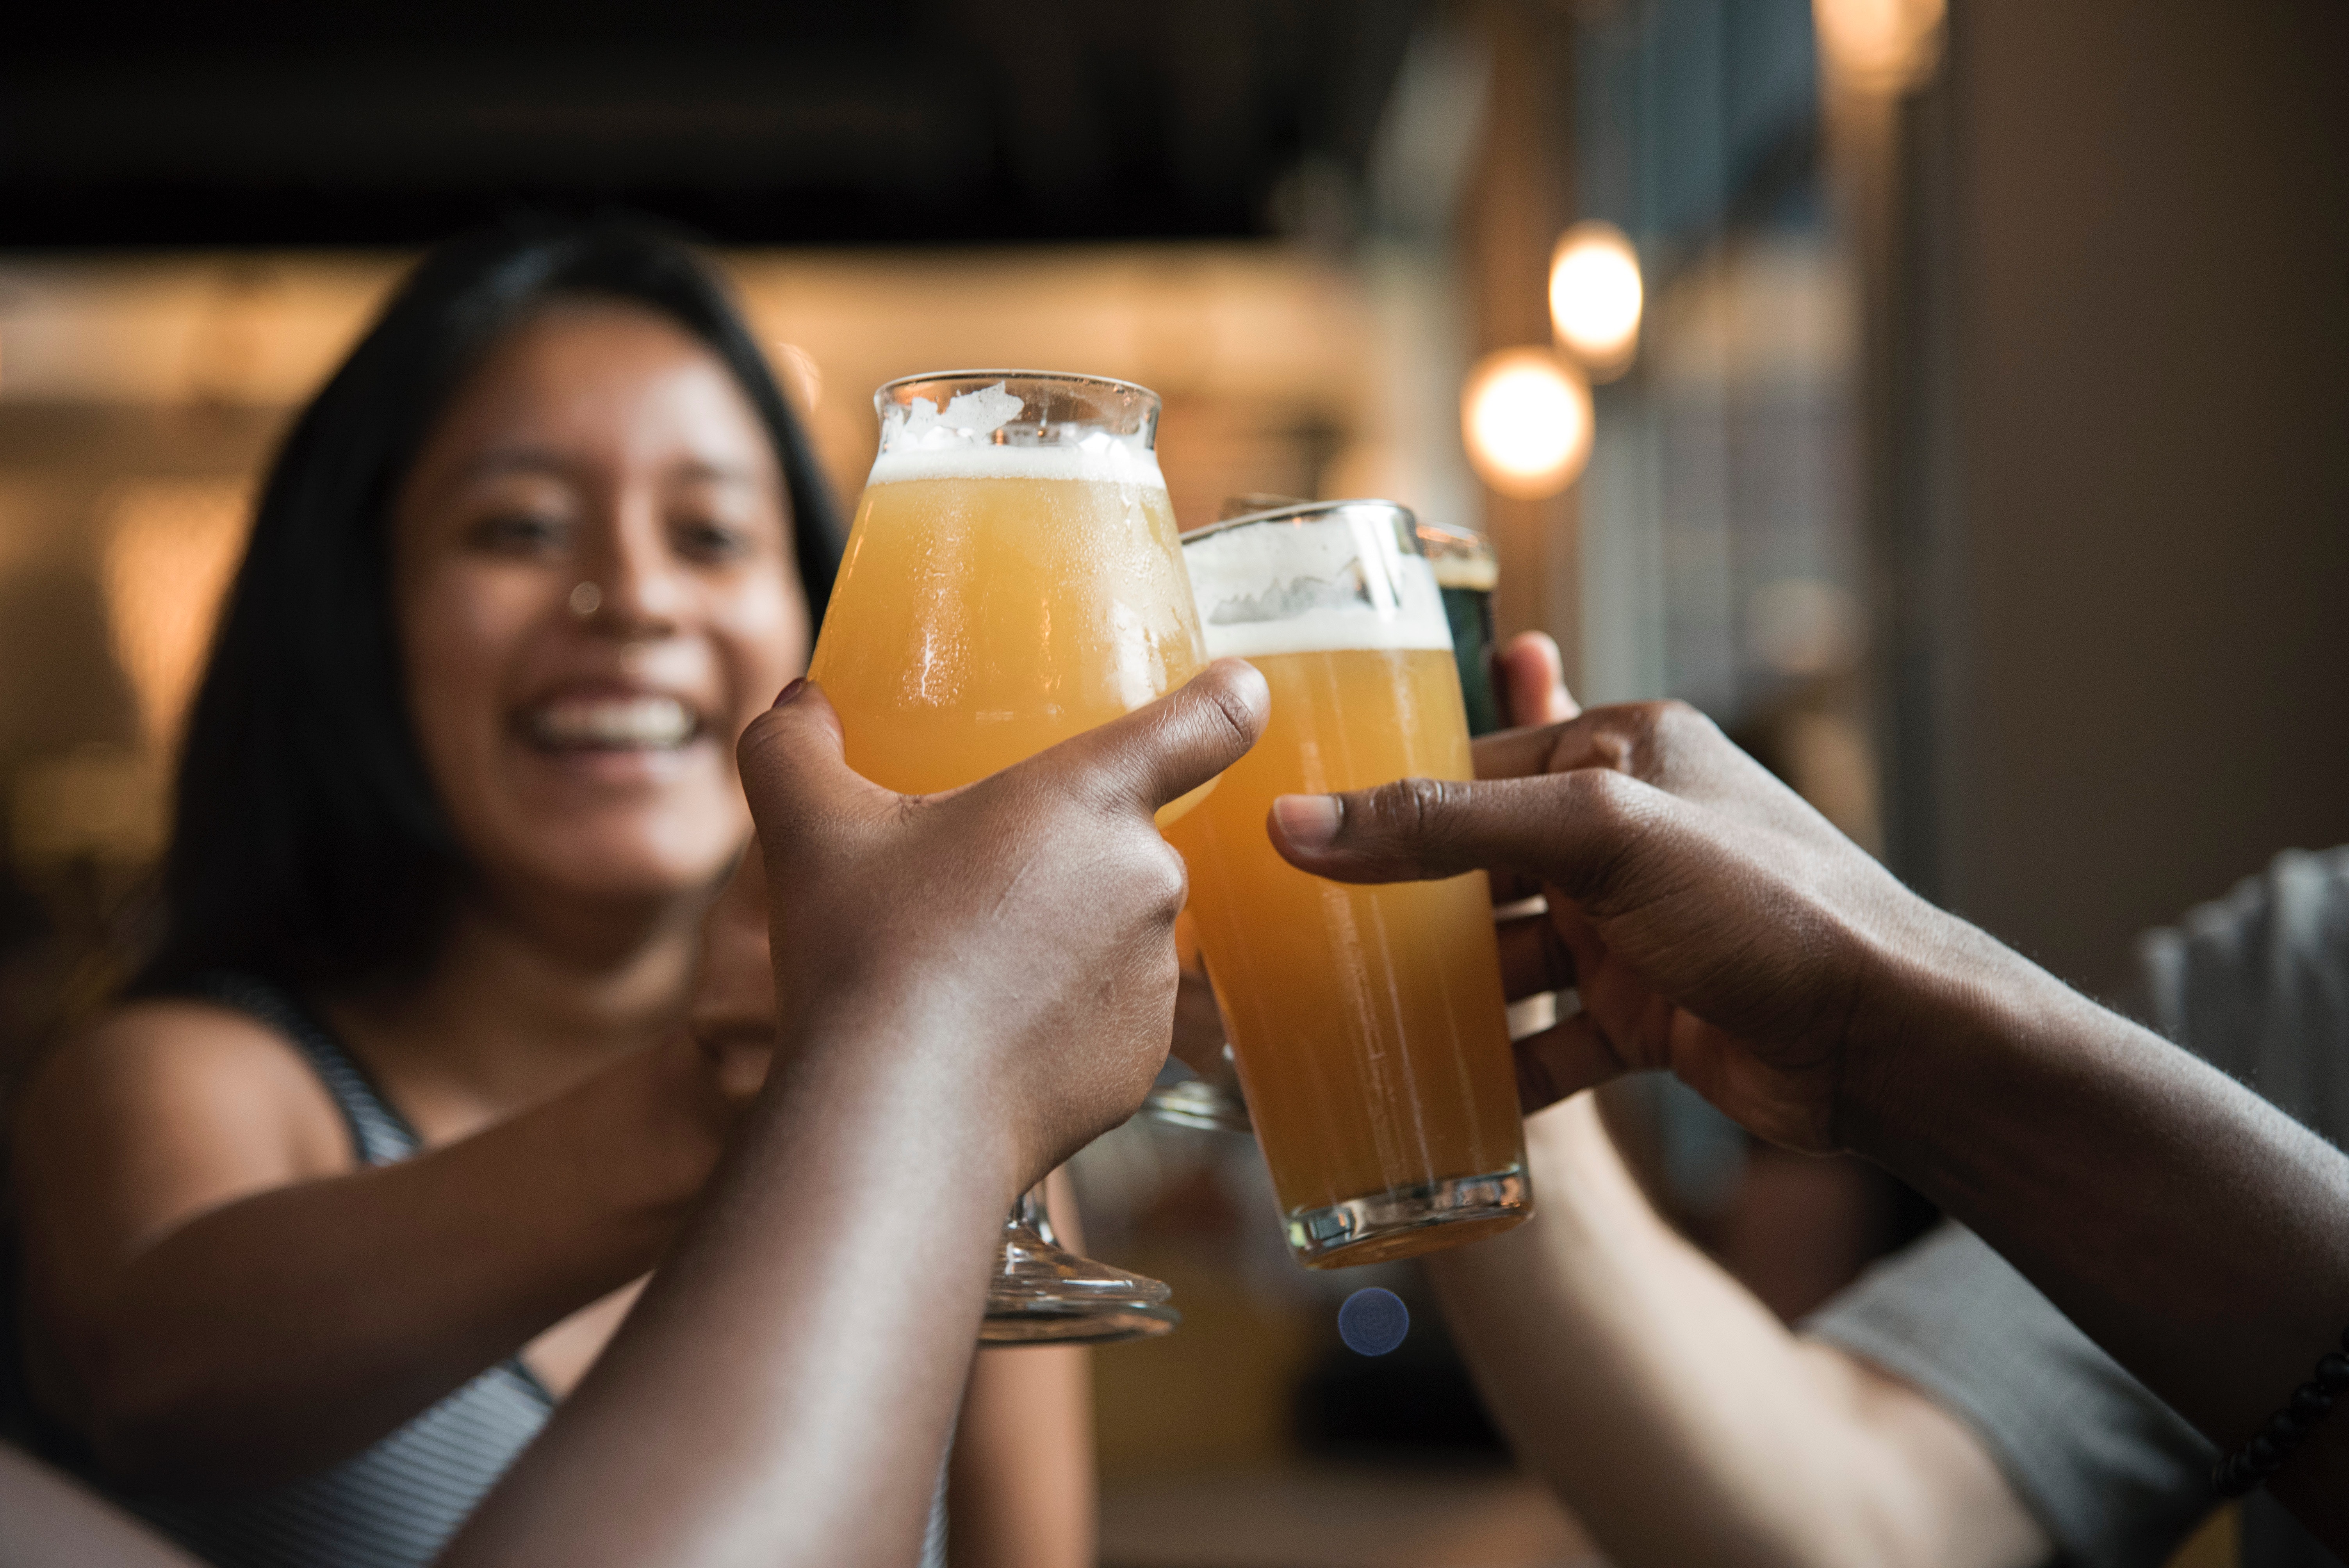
[215, 1298]
[1626, 1365]
[1715, 925]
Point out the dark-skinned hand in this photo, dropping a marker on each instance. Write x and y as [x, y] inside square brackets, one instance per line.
[1712, 922]
[1020, 929]
[1530, 679]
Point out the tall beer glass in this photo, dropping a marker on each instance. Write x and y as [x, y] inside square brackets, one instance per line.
[1466, 572]
[1367, 1022]
[1012, 579]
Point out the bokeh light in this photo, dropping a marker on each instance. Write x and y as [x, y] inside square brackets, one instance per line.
[1525, 414]
[171, 547]
[1595, 295]
[1879, 45]
[1373, 1321]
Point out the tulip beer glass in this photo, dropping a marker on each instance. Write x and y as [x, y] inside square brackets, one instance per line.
[1367, 1023]
[1012, 579]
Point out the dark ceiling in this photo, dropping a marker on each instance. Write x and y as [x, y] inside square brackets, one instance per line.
[366, 122]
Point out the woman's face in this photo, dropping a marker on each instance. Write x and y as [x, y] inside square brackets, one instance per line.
[594, 589]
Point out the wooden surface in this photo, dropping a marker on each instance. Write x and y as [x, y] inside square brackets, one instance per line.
[1333, 1518]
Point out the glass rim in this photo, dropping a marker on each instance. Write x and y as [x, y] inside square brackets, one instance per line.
[1077, 377]
[1304, 508]
[1453, 532]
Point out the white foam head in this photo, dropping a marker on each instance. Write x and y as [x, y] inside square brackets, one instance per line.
[919, 440]
[1328, 581]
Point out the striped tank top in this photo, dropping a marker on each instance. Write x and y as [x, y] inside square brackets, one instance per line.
[398, 1503]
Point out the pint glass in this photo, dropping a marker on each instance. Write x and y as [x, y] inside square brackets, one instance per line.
[1466, 572]
[1011, 580]
[1367, 1022]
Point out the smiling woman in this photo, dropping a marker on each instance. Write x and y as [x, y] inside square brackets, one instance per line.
[316, 1227]
[591, 756]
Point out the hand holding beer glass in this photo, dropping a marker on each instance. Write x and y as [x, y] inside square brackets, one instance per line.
[1012, 579]
[1367, 1022]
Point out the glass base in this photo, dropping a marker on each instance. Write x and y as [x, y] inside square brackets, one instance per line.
[1197, 1103]
[1411, 1220]
[1045, 1294]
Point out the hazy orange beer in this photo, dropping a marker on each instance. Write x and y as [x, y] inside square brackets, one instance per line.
[1368, 1023]
[1013, 578]
[996, 598]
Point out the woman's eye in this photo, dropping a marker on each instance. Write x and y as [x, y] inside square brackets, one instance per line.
[520, 533]
[705, 540]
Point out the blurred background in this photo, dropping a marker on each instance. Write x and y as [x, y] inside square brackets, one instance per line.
[1955, 407]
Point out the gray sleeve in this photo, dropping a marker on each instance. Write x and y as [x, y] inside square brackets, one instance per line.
[2116, 1476]
[2257, 984]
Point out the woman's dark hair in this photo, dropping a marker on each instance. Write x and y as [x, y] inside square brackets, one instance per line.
[308, 844]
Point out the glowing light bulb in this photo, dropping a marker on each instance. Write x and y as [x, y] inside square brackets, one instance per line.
[1595, 297]
[1525, 416]
[1880, 46]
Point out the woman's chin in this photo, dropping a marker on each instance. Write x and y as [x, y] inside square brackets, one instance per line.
[646, 846]
[636, 874]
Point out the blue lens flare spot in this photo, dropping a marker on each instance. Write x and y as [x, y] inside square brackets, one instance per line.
[1373, 1321]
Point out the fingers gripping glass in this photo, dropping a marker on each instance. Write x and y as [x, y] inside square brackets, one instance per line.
[1367, 1023]
[1466, 571]
[1012, 579]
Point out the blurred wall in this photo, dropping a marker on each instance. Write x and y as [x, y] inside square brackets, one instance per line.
[2150, 303]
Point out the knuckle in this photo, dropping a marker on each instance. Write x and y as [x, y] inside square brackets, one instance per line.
[1612, 810]
[1601, 797]
[1650, 719]
[1422, 803]
[1405, 818]
[1170, 885]
[758, 737]
[1231, 718]
[1677, 720]
[1681, 736]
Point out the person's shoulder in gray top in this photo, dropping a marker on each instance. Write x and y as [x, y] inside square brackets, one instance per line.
[2256, 983]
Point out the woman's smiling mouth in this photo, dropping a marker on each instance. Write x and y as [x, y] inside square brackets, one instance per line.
[610, 722]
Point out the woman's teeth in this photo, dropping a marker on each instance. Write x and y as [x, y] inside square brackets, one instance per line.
[614, 723]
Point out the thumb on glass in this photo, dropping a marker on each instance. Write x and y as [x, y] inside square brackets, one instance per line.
[1164, 749]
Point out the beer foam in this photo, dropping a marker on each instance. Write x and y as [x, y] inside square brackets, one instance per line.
[1112, 462]
[922, 441]
[1316, 587]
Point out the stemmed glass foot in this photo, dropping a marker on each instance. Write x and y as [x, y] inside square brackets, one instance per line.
[1045, 1294]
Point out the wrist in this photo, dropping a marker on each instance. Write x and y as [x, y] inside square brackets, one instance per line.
[1934, 1040]
[679, 1119]
[902, 1076]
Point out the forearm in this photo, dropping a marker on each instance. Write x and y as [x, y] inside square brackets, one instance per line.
[783, 1392]
[1020, 1484]
[280, 1332]
[1627, 1368]
[2197, 1234]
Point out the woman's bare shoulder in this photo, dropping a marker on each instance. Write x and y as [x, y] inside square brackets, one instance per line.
[55, 1523]
[181, 1074]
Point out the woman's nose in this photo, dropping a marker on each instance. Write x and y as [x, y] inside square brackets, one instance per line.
[640, 588]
